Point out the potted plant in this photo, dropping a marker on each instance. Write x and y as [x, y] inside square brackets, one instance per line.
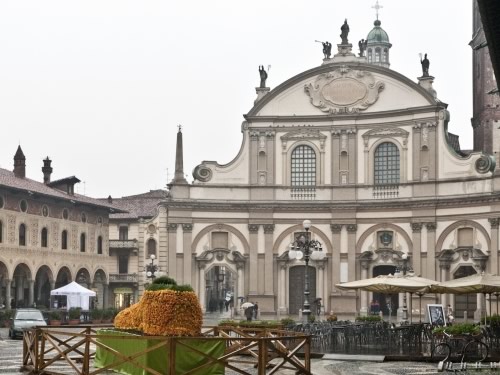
[108, 315]
[74, 315]
[96, 316]
[5, 316]
[55, 318]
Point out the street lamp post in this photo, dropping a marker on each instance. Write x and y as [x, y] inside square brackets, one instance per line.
[307, 248]
[152, 270]
[404, 267]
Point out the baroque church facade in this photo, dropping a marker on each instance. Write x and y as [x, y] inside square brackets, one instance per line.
[365, 154]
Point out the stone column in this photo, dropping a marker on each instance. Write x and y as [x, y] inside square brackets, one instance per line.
[31, 293]
[417, 247]
[431, 250]
[321, 275]
[351, 251]
[187, 261]
[493, 263]
[364, 308]
[268, 259]
[202, 288]
[444, 268]
[335, 258]
[172, 252]
[8, 296]
[105, 295]
[254, 271]
[282, 284]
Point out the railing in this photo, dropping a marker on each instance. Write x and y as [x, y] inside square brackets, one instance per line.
[385, 191]
[303, 193]
[123, 244]
[123, 278]
[49, 349]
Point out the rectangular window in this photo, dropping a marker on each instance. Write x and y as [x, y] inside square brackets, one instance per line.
[123, 234]
[123, 264]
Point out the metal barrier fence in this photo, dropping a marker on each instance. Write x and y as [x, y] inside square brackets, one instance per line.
[49, 349]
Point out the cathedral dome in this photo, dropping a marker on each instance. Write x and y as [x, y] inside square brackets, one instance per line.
[377, 35]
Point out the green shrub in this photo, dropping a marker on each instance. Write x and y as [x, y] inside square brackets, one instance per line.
[287, 322]
[96, 314]
[74, 312]
[55, 315]
[109, 313]
[174, 287]
[164, 280]
[5, 316]
[493, 320]
[459, 329]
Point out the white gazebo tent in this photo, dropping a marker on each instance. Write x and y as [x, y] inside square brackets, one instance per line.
[76, 295]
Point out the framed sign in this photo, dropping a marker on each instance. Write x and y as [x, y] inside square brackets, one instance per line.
[436, 314]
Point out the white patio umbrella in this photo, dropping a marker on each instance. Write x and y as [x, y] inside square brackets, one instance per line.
[391, 284]
[246, 305]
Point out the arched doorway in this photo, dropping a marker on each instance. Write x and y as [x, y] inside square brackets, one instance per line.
[63, 277]
[297, 286]
[220, 282]
[43, 282]
[465, 303]
[20, 287]
[389, 303]
[99, 287]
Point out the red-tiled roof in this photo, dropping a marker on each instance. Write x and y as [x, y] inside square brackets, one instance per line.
[8, 180]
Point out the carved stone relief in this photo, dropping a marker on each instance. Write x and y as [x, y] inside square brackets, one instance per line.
[344, 91]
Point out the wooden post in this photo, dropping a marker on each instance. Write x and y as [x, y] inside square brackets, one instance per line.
[262, 360]
[171, 355]
[307, 353]
[86, 354]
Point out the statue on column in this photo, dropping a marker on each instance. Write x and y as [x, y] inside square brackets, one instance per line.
[344, 32]
[263, 76]
[425, 65]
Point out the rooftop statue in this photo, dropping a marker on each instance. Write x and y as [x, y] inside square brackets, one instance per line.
[263, 76]
[425, 66]
[327, 49]
[362, 47]
[344, 32]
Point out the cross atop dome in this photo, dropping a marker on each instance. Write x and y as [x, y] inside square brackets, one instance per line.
[377, 6]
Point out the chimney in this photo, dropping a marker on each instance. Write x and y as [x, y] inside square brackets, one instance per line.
[19, 163]
[179, 164]
[47, 170]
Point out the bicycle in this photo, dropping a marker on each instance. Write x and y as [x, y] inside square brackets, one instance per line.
[465, 346]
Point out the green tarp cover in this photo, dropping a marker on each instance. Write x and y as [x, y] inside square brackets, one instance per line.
[185, 359]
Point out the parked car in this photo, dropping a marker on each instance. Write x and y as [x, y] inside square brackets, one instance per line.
[23, 319]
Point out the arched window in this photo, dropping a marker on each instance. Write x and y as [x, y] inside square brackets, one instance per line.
[22, 235]
[82, 242]
[151, 247]
[303, 166]
[377, 54]
[99, 245]
[384, 55]
[369, 54]
[386, 160]
[44, 239]
[64, 240]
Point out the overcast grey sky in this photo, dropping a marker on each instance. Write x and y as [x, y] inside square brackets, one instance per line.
[100, 86]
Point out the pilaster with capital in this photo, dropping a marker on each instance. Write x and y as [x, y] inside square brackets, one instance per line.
[172, 251]
[335, 258]
[268, 258]
[187, 239]
[493, 263]
[365, 265]
[202, 286]
[253, 258]
[431, 250]
[282, 287]
[351, 251]
[416, 229]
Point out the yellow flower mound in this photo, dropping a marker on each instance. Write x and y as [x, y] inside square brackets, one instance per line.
[164, 313]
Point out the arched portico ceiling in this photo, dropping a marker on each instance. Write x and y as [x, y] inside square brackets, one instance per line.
[100, 277]
[63, 275]
[280, 246]
[23, 270]
[83, 276]
[45, 271]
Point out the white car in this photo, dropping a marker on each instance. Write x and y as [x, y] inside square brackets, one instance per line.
[24, 319]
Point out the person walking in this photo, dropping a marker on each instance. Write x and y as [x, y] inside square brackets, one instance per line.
[256, 310]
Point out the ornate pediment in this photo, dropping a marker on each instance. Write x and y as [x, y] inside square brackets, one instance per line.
[344, 91]
[386, 132]
[303, 134]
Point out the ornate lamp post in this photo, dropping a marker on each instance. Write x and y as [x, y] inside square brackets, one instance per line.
[403, 268]
[304, 247]
[152, 270]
